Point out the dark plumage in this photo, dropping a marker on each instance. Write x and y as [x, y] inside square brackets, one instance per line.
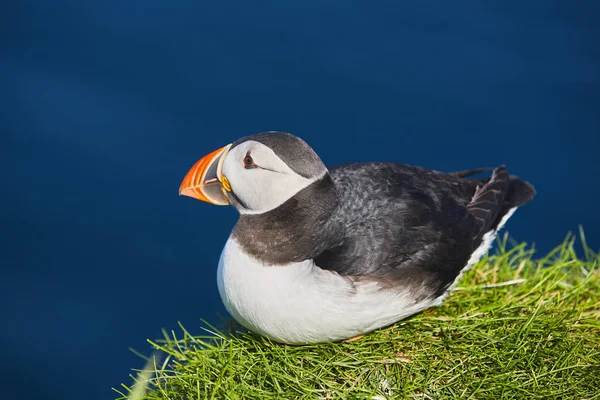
[399, 224]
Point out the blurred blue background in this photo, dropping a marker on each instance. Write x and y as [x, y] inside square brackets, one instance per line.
[106, 104]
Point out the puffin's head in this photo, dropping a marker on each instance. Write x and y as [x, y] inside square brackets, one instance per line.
[255, 174]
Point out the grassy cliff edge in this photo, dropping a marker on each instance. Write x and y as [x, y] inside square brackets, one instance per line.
[516, 327]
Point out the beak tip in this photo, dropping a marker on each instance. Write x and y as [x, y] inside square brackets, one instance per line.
[188, 192]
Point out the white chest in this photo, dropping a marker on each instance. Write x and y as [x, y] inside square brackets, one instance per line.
[301, 303]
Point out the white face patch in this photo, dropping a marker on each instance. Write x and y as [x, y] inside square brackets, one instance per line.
[263, 188]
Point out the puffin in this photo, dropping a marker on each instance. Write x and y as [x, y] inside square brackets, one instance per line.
[327, 254]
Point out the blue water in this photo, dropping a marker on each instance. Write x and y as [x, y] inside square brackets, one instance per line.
[106, 104]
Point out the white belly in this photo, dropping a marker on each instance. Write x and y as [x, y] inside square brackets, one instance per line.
[301, 303]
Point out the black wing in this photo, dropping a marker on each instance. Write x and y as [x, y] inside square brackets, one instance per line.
[406, 224]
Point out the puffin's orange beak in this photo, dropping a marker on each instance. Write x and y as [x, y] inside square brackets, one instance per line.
[205, 180]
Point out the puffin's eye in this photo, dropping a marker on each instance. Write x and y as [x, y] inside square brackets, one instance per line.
[249, 162]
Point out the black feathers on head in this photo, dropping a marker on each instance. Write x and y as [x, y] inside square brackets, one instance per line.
[292, 150]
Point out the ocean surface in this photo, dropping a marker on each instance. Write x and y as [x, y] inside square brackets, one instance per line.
[106, 105]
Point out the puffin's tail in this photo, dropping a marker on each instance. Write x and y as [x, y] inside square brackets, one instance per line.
[519, 192]
[494, 198]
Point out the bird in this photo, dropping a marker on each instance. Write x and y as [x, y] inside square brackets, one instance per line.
[330, 254]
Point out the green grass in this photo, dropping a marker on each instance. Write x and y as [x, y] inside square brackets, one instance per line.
[516, 327]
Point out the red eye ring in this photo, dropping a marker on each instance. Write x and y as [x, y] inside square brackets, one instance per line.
[249, 161]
